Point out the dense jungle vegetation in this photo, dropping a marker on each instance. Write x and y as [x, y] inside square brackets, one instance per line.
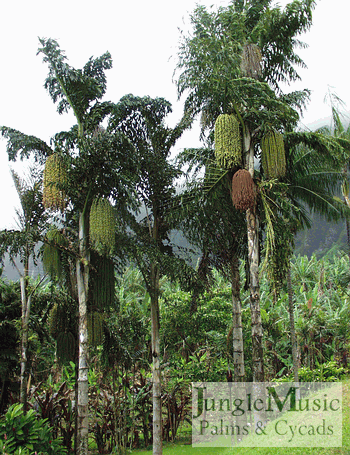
[196, 345]
[99, 351]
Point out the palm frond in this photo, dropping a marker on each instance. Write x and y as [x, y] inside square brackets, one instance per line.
[24, 145]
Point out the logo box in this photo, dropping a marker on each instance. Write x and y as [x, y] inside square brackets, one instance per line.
[267, 414]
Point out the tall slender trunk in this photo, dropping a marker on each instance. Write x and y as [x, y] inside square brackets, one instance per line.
[237, 338]
[348, 237]
[253, 260]
[292, 326]
[26, 302]
[156, 373]
[345, 192]
[83, 385]
[257, 330]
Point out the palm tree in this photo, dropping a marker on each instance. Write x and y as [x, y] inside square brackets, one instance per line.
[97, 165]
[314, 173]
[22, 245]
[142, 120]
[340, 133]
[233, 63]
[10, 310]
[210, 222]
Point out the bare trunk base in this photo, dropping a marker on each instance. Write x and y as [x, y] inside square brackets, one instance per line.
[257, 330]
[237, 333]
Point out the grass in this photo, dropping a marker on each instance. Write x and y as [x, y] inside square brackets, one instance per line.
[184, 447]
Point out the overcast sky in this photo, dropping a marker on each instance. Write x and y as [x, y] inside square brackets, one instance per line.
[142, 36]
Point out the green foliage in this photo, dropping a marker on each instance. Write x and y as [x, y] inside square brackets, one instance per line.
[195, 340]
[10, 312]
[54, 403]
[282, 27]
[325, 372]
[31, 219]
[26, 431]
[211, 69]
[25, 145]
[70, 87]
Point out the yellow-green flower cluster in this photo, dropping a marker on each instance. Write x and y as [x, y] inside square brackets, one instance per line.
[273, 155]
[102, 226]
[228, 143]
[55, 177]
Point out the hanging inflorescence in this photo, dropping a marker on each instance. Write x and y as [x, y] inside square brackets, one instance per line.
[61, 326]
[102, 281]
[273, 155]
[55, 178]
[51, 259]
[228, 143]
[102, 226]
[95, 328]
[243, 190]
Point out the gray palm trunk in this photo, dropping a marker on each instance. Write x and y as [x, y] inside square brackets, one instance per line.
[83, 385]
[26, 300]
[156, 372]
[345, 193]
[237, 332]
[292, 326]
[156, 379]
[253, 260]
[26, 303]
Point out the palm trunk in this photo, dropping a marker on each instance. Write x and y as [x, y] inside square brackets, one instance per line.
[238, 349]
[257, 330]
[253, 260]
[292, 326]
[345, 191]
[26, 302]
[348, 237]
[156, 373]
[83, 385]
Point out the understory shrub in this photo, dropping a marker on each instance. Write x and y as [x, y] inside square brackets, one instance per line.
[22, 433]
[326, 372]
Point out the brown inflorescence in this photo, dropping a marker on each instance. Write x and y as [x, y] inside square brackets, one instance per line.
[243, 190]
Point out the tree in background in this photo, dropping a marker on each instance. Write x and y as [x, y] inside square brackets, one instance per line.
[142, 121]
[22, 245]
[210, 222]
[313, 174]
[10, 310]
[338, 131]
